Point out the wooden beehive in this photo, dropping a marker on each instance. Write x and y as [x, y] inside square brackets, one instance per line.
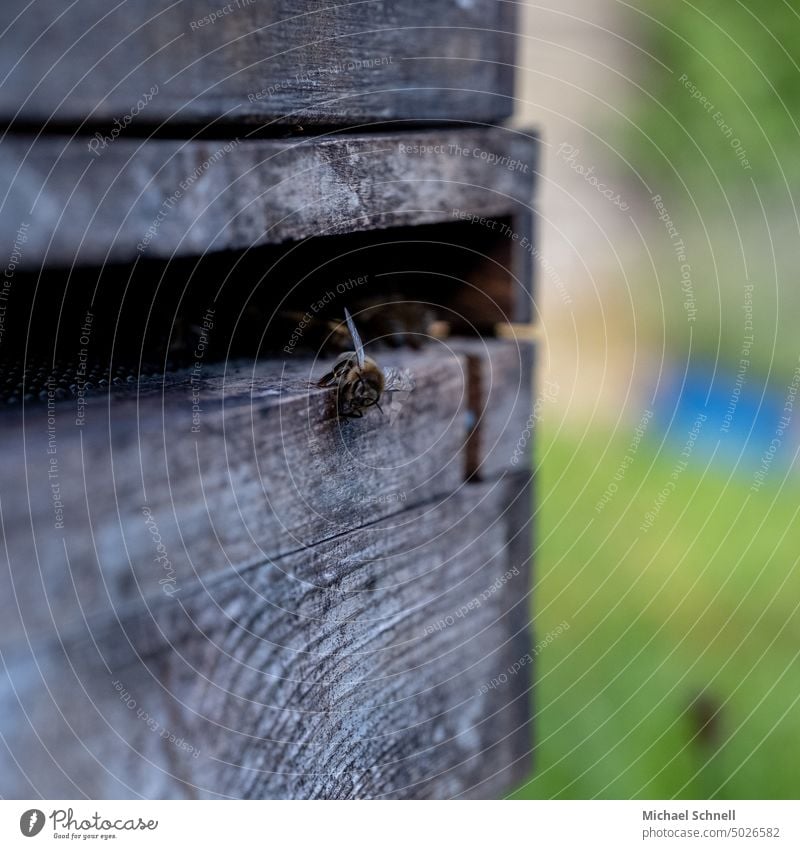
[215, 586]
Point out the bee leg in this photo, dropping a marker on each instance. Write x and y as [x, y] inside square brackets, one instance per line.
[345, 411]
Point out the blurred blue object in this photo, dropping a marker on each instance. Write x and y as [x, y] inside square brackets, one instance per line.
[748, 425]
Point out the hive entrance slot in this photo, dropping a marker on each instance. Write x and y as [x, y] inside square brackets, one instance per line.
[122, 328]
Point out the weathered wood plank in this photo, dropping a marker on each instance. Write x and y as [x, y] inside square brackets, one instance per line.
[164, 198]
[285, 61]
[145, 494]
[357, 668]
[520, 524]
[500, 401]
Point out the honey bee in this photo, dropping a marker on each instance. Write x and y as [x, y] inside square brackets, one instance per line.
[359, 380]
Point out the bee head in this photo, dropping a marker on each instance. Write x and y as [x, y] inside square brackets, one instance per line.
[366, 382]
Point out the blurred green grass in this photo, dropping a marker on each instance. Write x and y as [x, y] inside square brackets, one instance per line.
[744, 58]
[700, 613]
[705, 602]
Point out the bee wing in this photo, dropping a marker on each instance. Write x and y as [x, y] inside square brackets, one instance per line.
[398, 380]
[357, 343]
[327, 379]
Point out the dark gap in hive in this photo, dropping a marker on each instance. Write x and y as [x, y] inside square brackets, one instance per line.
[122, 328]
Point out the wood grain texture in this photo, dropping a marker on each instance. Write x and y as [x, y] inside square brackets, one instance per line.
[269, 469]
[165, 198]
[519, 519]
[500, 380]
[357, 668]
[284, 61]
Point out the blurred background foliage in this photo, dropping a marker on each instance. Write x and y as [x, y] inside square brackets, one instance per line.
[678, 676]
[743, 56]
[729, 169]
[680, 673]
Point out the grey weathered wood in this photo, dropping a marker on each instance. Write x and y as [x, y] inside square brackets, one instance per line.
[284, 61]
[500, 402]
[270, 470]
[519, 520]
[312, 562]
[164, 198]
[355, 668]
